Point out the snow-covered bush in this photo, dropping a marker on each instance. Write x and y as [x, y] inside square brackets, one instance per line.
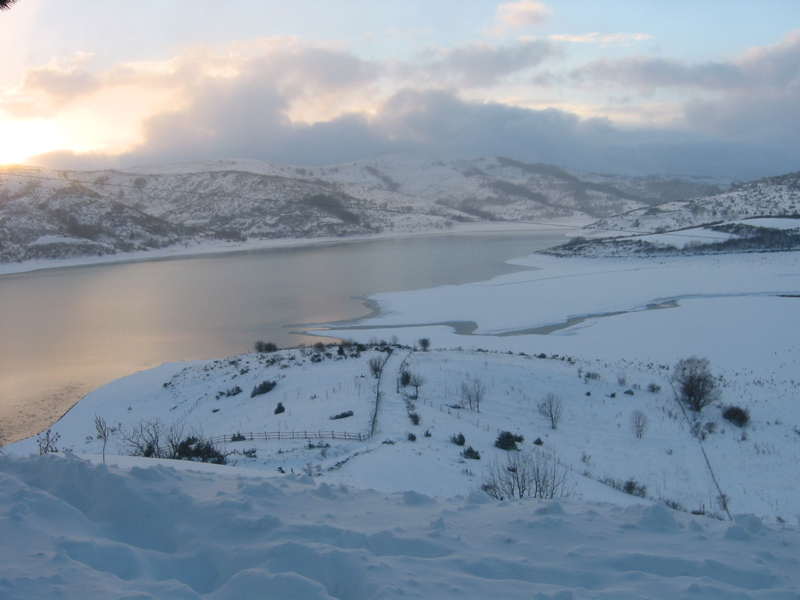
[737, 415]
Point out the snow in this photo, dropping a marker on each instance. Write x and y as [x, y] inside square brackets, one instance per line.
[388, 517]
[72, 529]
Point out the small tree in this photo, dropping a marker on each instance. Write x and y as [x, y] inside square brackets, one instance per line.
[472, 393]
[417, 381]
[425, 344]
[639, 423]
[265, 347]
[375, 365]
[103, 432]
[552, 409]
[695, 384]
[508, 441]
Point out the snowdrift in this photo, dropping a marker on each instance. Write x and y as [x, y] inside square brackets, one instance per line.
[75, 529]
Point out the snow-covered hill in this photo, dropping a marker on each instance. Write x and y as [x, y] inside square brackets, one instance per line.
[61, 214]
[770, 197]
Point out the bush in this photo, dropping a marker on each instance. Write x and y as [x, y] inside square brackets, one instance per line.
[405, 378]
[280, 408]
[653, 387]
[196, 449]
[237, 437]
[265, 347]
[343, 415]
[532, 474]
[412, 437]
[470, 453]
[737, 415]
[538, 442]
[424, 343]
[634, 488]
[263, 388]
[458, 440]
[415, 418]
[508, 441]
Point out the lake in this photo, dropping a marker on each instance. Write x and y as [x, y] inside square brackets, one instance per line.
[67, 331]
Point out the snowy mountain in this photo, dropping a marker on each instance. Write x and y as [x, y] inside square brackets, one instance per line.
[61, 214]
[770, 197]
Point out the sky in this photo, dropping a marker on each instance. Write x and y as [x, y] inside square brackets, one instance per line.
[631, 87]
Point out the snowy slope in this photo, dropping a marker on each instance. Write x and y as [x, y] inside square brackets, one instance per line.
[105, 212]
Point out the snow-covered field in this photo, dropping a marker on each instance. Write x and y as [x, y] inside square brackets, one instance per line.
[614, 328]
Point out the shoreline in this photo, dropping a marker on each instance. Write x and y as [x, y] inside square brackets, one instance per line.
[180, 252]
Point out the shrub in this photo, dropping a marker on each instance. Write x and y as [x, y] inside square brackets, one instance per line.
[508, 441]
[458, 440]
[424, 343]
[196, 449]
[470, 453]
[634, 488]
[263, 388]
[47, 442]
[237, 437]
[412, 437]
[538, 442]
[405, 378]
[653, 387]
[428, 433]
[280, 408]
[737, 415]
[343, 415]
[234, 391]
[415, 418]
[265, 347]
[532, 474]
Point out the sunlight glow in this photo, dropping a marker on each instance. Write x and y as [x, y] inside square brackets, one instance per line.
[21, 139]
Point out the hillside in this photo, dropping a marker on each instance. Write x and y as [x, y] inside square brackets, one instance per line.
[63, 214]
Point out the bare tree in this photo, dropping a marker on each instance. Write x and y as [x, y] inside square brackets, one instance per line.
[6, 4]
[639, 423]
[103, 432]
[416, 380]
[552, 409]
[375, 365]
[145, 439]
[696, 387]
[425, 344]
[529, 474]
[473, 392]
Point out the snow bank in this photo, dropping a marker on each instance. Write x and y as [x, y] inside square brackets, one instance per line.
[74, 529]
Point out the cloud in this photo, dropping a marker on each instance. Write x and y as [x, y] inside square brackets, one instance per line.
[485, 65]
[603, 39]
[523, 14]
[286, 101]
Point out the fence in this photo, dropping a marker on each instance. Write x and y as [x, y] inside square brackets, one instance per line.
[288, 435]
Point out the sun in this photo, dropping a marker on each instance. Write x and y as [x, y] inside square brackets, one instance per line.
[20, 140]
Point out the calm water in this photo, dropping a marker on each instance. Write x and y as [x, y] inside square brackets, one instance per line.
[64, 332]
